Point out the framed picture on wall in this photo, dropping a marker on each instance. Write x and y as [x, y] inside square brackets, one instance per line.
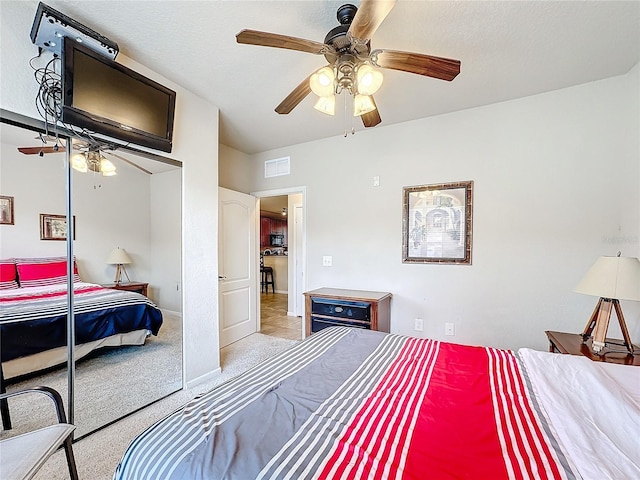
[6, 210]
[437, 223]
[54, 227]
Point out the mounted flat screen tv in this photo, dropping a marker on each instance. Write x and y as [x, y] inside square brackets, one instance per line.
[105, 97]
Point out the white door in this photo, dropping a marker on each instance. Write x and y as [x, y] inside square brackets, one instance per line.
[299, 261]
[237, 269]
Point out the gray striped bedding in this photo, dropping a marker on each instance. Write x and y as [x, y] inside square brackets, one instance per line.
[351, 403]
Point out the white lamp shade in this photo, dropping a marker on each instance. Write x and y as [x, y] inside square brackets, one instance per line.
[369, 80]
[321, 82]
[79, 162]
[326, 105]
[119, 256]
[107, 168]
[363, 104]
[612, 277]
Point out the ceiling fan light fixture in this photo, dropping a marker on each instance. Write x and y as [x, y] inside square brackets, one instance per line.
[369, 79]
[79, 162]
[322, 82]
[326, 104]
[363, 104]
[93, 160]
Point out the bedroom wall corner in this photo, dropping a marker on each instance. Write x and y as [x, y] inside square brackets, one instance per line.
[234, 169]
[199, 238]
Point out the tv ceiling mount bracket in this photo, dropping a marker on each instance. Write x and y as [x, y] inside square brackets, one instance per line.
[50, 27]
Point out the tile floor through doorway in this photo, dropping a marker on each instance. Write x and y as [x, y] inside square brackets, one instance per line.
[274, 320]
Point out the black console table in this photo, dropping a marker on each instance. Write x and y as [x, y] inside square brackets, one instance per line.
[326, 307]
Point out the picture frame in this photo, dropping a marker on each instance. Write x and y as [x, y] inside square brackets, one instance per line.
[437, 223]
[54, 227]
[6, 210]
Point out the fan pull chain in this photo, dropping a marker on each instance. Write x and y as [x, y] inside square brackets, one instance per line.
[94, 181]
[345, 116]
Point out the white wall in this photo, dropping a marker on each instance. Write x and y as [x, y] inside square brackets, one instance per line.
[556, 185]
[166, 259]
[195, 119]
[20, 177]
[235, 170]
[108, 211]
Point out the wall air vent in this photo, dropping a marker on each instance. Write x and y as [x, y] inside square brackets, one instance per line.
[277, 167]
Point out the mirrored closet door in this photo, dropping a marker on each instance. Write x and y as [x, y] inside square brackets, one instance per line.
[128, 335]
[31, 185]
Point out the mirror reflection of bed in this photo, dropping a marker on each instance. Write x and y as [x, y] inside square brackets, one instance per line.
[138, 209]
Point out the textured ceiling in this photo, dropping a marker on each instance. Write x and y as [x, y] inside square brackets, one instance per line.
[508, 49]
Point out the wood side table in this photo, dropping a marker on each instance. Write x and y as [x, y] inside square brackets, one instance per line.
[572, 344]
[138, 287]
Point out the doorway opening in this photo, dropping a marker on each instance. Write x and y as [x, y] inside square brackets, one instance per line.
[281, 259]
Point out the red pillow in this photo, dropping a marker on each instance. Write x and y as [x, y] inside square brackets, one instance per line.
[8, 274]
[36, 272]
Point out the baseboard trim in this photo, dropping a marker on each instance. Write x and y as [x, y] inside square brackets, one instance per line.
[172, 312]
[203, 378]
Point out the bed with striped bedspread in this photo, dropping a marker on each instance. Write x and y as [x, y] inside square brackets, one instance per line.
[34, 319]
[355, 404]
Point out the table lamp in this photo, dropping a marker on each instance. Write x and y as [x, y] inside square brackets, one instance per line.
[612, 279]
[119, 257]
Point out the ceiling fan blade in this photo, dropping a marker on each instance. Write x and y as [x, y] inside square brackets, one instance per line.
[295, 97]
[130, 162]
[372, 118]
[265, 39]
[369, 16]
[44, 149]
[427, 65]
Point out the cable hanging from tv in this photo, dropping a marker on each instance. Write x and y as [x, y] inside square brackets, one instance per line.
[95, 93]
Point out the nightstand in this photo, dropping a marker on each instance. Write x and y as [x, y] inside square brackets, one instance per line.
[138, 287]
[571, 344]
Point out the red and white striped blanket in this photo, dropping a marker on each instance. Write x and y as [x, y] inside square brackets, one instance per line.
[354, 404]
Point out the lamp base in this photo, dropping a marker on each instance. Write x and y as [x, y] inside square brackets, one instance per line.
[119, 270]
[599, 324]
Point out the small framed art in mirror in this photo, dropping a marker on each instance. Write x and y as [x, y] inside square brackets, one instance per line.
[54, 227]
[6, 210]
[437, 223]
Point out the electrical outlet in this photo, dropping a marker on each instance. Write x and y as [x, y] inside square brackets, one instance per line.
[327, 261]
[376, 181]
[449, 329]
[418, 325]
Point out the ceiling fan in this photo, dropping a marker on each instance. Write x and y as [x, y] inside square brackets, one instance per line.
[353, 66]
[86, 157]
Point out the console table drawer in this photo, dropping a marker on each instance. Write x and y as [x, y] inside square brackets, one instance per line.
[318, 323]
[341, 308]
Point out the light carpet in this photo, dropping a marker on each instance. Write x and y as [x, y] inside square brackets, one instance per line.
[109, 384]
[98, 454]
